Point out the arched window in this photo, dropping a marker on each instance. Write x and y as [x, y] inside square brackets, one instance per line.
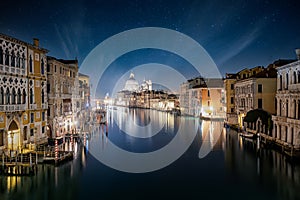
[13, 96]
[7, 57]
[295, 77]
[19, 96]
[30, 64]
[43, 96]
[280, 82]
[287, 108]
[42, 67]
[24, 97]
[13, 57]
[7, 96]
[1, 96]
[23, 61]
[287, 80]
[1, 56]
[18, 60]
[31, 96]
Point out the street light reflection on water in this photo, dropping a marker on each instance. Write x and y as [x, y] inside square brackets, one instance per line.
[234, 168]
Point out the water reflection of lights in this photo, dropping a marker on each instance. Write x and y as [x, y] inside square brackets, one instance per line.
[127, 122]
[211, 132]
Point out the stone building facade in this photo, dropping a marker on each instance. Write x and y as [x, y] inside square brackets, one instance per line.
[23, 99]
[63, 95]
[286, 129]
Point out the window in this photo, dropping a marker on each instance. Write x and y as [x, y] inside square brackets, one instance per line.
[55, 68]
[13, 59]
[19, 96]
[208, 93]
[30, 64]
[43, 96]
[7, 57]
[287, 108]
[31, 96]
[1, 137]
[259, 88]
[43, 116]
[24, 97]
[232, 86]
[232, 110]
[1, 96]
[1, 56]
[43, 129]
[232, 100]
[13, 96]
[25, 132]
[48, 87]
[31, 117]
[23, 61]
[42, 66]
[31, 132]
[7, 96]
[295, 77]
[48, 68]
[287, 81]
[260, 103]
[280, 82]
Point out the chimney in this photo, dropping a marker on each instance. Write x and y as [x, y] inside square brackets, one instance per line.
[36, 42]
[298, 53]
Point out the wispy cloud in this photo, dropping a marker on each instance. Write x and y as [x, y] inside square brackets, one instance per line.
[239, 44]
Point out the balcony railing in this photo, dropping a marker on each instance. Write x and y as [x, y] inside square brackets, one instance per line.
[45, 106]
[13, 108]
[13, 70]
[32, 106]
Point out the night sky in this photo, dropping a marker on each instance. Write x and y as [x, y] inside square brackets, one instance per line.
[236, 34]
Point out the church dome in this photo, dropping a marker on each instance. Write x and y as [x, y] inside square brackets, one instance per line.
[131, 84]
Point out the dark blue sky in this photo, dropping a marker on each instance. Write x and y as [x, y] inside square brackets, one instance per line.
[236, 34]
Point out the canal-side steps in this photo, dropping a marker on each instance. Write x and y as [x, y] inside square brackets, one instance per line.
[18, 164]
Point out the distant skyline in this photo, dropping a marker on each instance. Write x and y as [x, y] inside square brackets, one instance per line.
[236, 34]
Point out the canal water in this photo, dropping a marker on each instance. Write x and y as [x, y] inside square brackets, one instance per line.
[216, 164]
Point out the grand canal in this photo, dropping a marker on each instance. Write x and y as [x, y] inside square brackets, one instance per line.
[227, 167]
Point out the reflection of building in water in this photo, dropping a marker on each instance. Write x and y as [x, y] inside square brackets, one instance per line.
[243, 160]
[202, 97]
[211, 132]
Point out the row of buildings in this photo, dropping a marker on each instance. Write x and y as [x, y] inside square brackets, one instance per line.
[266, 101]
[142, 95]
[201, 97]
[40, 96]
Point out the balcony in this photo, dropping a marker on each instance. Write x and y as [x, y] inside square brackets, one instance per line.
[32, 107]
[45, 106]
[13, 70]
[13, 108]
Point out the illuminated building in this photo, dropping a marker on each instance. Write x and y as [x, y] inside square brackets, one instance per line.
[23, 99]
[63, 96]
[202, 98]
[286, 131]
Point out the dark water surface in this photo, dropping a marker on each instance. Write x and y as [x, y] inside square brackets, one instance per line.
[234, 169]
